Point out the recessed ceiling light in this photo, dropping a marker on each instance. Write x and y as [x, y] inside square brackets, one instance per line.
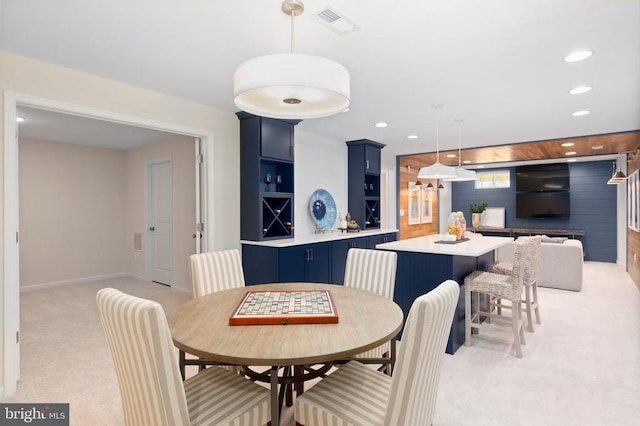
[580, 89]
[570, 153]
[597, 147]
[571, 160]
[580, 113]
[578, 56]
[20, 119]
[567, 144]
[451, 155]
[381, 124]
[467, 161]
[412, 137]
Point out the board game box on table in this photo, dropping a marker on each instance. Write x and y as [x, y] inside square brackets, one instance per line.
[285, 307]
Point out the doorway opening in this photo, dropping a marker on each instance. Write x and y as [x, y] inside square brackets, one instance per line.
[11, 312]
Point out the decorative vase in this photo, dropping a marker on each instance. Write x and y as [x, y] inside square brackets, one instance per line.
[475, 219]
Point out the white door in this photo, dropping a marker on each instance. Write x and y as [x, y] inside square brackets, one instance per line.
[160, 222]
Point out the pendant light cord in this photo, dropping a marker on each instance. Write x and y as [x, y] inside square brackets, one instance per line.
[460, 121]
[437, 108]
[292, 28]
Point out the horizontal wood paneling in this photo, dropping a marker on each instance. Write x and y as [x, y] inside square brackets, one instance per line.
[526, 151]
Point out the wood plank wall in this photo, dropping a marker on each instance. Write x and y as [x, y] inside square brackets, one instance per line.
[633, 237]
[412, 231]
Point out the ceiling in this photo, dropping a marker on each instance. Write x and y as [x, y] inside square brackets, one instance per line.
[496, 64]
[54, 126]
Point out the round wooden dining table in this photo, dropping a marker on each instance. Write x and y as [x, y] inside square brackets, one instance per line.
[365, 320]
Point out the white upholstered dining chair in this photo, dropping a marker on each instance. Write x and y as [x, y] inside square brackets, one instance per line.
[357, 395]
[375, 271]
[151, 388]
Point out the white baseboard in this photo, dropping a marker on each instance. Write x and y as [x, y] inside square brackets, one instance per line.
[182, 290]
[73, 281]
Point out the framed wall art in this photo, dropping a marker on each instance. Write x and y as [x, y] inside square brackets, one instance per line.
[413, 204]
[633, 186]
[426, 210]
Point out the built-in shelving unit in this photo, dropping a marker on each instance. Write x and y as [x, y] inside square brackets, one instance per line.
[266, 177]
[364, 182]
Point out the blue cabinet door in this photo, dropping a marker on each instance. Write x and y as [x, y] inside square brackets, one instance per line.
[277, 139]
[339, 251]
[305, 263]
[292, 262]
[318, 267]
[373, 240]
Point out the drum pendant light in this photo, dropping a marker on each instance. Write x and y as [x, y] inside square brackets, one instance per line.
[291, 85]
[437, 170]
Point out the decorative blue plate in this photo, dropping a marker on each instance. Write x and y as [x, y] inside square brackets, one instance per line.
[323, 209]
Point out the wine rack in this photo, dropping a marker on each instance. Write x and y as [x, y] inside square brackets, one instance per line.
[277, 216]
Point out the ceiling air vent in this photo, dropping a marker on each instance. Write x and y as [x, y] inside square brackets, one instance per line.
[334, 20]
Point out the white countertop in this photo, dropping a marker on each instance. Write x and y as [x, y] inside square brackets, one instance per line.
[476, 246]
[317, 238]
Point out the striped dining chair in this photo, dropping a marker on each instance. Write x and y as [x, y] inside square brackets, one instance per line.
[216, 271]
[151, 388]
[212, 272]
[375, 271]
[357, 395]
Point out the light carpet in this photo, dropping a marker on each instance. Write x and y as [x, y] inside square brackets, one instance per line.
[581, 366]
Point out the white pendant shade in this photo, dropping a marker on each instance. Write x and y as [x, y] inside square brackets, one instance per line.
[617, 178]
[462, 175]
[291, 86]
[437, 171]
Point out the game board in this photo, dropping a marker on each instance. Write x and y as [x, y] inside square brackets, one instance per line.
[285, 307]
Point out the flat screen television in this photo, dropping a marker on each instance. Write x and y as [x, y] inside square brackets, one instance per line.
[532, 205]
[542, 177]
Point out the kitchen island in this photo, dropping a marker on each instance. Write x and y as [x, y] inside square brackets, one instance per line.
[424, 262]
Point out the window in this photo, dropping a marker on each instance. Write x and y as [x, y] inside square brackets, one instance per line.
[493, 179]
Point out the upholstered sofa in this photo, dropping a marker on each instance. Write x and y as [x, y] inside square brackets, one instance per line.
[560, 263]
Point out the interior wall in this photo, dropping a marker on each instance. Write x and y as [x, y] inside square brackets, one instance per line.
[30, 78]
[320, 163]
[71, 212]
[80, 207]
[181, 150]
[418, 230]
[593, 207]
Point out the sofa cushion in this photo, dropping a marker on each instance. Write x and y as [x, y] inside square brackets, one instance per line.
[558, 240]
[560, 264]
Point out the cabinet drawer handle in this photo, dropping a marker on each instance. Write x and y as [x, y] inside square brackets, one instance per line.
[311, 252]
[367, 164]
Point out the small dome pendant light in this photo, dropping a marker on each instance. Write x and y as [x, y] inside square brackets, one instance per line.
[437, 170]
[462, 174]
[618, 175]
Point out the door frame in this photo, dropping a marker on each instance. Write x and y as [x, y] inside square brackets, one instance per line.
[10, 314]
[148, 273]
